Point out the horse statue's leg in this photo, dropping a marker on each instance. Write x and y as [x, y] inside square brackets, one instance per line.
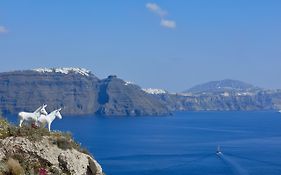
[49, 126]
[21, 120]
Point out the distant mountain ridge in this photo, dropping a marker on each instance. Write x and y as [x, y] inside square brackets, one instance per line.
[77, 91]
[224, 95]
[226, 85]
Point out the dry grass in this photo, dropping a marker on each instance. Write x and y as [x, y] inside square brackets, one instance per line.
[14, 167]
[64, 140]
[33, 134]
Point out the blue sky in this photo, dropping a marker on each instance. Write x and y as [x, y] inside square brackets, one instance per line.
[203, 40]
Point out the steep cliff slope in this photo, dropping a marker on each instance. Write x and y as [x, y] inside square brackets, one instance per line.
[117, 97]
[77, 91]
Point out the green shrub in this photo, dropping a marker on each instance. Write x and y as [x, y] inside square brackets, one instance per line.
[63, 143]
[4, 128]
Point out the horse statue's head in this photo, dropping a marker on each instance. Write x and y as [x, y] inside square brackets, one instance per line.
[43, 110]
[58, 113]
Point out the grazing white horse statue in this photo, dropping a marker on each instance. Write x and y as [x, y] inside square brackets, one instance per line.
[32, 116]
[48, 119]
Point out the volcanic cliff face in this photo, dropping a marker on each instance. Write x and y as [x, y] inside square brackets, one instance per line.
[220, 102]
[77, 91]
[118, 97]
[224, 95]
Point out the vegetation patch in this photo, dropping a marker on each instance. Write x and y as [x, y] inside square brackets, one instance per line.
[11, 166]
[33, 134]
[4, 128]
[64, 140]
[19, 165]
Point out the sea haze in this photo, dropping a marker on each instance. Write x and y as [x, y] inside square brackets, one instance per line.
[184, 143]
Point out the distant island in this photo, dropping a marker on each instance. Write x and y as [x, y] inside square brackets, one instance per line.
[80, 92]
[223, 95]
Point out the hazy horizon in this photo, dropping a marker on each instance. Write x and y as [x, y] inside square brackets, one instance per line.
[158, 44]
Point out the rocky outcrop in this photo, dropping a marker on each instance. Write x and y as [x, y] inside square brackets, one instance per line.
[44, 152]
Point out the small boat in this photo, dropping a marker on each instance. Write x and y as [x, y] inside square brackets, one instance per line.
[219, 152]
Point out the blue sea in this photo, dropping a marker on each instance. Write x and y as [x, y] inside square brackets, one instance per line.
[182, 144]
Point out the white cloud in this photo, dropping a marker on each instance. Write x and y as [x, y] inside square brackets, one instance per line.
[3, 29]
[155, 8]
[168, 23]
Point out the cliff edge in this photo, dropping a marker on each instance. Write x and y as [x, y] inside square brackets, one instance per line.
[30, 150]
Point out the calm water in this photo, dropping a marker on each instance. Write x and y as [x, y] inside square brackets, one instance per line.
[182, 144]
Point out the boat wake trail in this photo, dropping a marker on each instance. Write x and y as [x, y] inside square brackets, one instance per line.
[236, 168]
[256, 160]
[186, 162]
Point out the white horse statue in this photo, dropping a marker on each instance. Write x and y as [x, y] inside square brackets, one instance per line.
[32, 116]
[48, 119]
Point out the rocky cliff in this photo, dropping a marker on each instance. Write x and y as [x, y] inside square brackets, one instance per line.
[223, 95]
[221, 102]
[117, 97]
[77, 91]
[36, 151]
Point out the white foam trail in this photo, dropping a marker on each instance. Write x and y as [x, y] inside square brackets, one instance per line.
[237, 169]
